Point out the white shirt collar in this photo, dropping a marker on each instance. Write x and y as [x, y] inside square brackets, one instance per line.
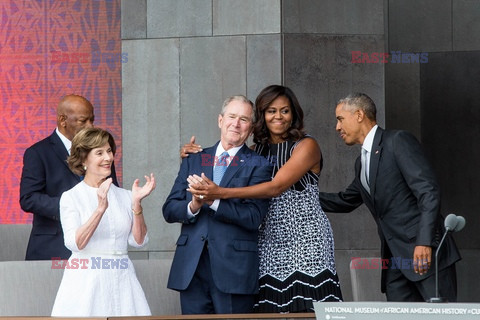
[231, 152]
[67, 143]
[368, 142]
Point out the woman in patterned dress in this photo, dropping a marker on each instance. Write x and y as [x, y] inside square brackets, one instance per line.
[296, 246]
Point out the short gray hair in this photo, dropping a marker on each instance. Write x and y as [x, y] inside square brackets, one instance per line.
[240, 98]
[358, 100]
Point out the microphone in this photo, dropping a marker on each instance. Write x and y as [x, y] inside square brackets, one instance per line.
[453, 223]
[460, 224]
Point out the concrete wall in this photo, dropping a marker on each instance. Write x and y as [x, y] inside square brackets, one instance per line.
[185, 57]
[437, 101]
[319, 37]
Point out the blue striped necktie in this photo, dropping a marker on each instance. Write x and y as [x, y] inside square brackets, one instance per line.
[220, 168]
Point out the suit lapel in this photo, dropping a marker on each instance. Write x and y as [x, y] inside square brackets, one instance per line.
[60, 151]
[209, 163]
[375, 159]
[59, 148]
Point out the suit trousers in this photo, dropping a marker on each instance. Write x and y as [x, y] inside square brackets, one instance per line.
[399, 288]
[203, 297]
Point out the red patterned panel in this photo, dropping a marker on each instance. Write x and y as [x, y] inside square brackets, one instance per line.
[49, 49]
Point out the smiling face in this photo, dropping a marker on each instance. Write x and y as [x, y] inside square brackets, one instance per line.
[278, 118]
[349, 124]
[235, 124]
[99, 164]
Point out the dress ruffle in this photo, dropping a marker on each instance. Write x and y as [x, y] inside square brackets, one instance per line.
[297, 293]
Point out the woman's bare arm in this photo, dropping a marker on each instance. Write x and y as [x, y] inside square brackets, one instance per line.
[305, 157]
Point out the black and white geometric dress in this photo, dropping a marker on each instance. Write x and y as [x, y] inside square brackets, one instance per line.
[296, 247]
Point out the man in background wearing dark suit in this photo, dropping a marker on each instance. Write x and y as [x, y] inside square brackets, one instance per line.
[216, 261]
[395, 181]
[45, 176]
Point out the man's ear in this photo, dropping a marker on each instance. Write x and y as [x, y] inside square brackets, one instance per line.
[360, 114]
[62, 120]
[220, 120]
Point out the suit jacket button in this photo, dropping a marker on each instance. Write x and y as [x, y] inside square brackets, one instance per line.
[203, 238]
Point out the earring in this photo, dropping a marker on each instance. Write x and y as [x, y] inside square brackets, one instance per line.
[85, 168]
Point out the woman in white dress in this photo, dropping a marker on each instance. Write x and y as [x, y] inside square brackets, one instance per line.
[99, 220]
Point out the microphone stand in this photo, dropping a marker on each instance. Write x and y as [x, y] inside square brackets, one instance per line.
[438, 299]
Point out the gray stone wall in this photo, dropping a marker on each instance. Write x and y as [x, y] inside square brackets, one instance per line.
[319, 37]
[436, 100]
[186, 56]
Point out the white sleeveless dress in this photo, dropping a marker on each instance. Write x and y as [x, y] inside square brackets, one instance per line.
[100, 280]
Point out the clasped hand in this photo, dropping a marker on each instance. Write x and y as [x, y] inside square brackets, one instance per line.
[202, 188]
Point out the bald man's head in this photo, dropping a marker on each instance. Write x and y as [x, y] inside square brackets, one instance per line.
[74, 113]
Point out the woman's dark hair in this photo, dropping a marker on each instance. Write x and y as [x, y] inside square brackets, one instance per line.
[261, 134]
[85, 141]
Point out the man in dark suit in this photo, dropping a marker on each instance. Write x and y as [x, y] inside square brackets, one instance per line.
[396, 182]
[45, 176]
[216, 262]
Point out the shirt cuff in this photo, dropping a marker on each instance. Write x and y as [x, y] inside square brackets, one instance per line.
[215, 205]
[190, 213]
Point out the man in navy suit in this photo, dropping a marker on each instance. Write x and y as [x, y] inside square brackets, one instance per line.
[396, 182]
[216, 262]
[45, 176]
